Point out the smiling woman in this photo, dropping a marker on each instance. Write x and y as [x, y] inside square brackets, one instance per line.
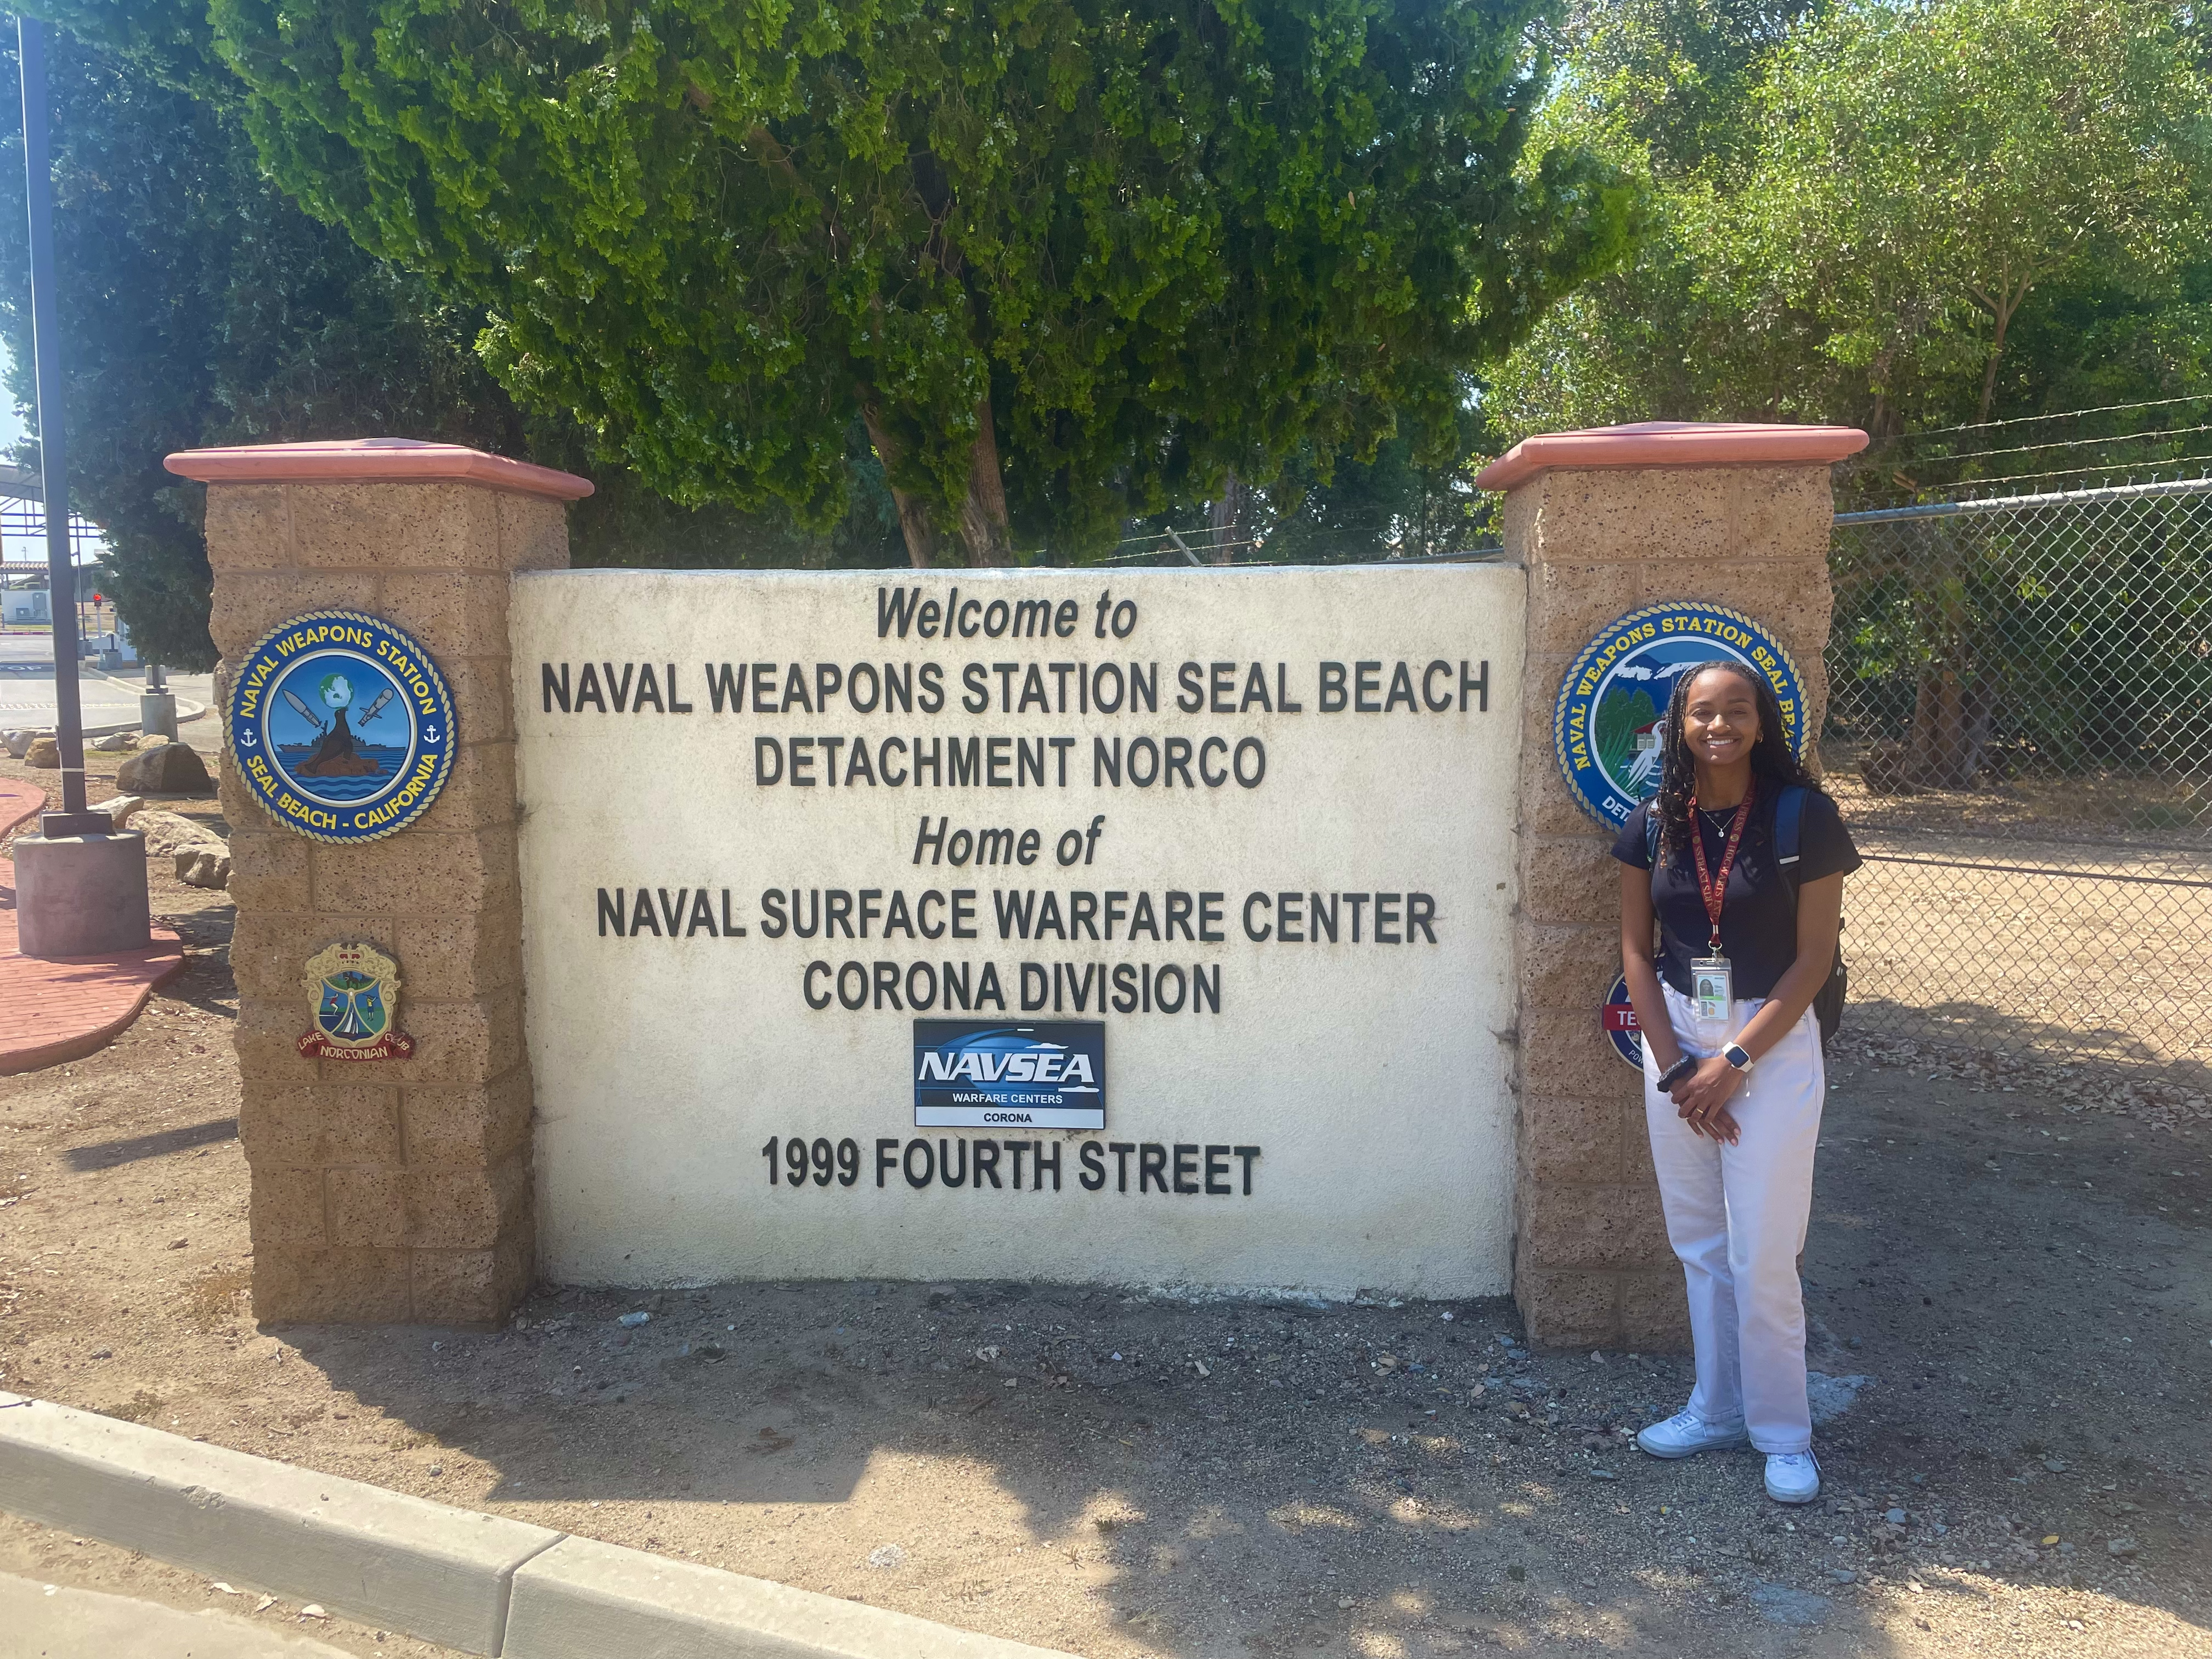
[1738, 862]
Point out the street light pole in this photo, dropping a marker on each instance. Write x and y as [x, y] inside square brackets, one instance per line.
[79, 883]
[46, 341]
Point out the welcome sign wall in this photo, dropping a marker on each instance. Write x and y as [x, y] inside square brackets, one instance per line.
[1130, 926]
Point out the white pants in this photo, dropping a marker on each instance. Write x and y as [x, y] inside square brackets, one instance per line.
[1736, 1215]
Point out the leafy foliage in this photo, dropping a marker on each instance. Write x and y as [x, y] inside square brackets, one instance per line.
[1892, 216]
[200, 306]
[1127, 249]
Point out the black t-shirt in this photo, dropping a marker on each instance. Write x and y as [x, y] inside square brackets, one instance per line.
[1758, 921]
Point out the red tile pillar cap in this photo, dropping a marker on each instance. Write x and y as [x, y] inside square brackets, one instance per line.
[1671, 443]
[374, 460]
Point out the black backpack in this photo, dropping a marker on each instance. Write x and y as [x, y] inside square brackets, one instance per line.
[1789, 837]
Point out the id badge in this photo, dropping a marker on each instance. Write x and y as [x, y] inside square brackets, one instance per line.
[1712, 990]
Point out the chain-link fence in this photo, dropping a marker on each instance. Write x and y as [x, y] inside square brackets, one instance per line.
[2020, 732]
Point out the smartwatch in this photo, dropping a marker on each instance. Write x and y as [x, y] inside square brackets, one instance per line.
[1738, 1056]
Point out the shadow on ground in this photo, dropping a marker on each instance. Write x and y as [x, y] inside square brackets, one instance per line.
[2016, 1294]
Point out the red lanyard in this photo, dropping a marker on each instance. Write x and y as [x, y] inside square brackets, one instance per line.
[1712, 890]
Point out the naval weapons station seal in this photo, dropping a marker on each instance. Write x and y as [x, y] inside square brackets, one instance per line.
[1606, 726]
[342, 725]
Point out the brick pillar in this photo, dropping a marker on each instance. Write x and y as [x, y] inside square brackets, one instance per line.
[394, 1190]
[1605, 522]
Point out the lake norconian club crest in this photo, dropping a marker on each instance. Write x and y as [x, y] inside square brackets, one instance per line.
[342, 725]
[353, 991]
[1605, 727]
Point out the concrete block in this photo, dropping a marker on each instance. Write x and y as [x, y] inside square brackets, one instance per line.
[1569, 1310]
[463, 612]
[1569, 603]
[268, 871]
[466, 1125]
[1655, 1310]
[483, 689]
[471, 1287]
[367, 1207]
[354, 1286]
[1571, 879]
[380, 1557]
[1565, 1052]
[319, 1125]
[249, 527]
[1784, 513]
[464, 1209]
[1564, 967]
[586, 1599]
[1590, 1227]
[533, 533]
[462, 1043]
[479, 792]
[1566, 1140]
[464, 957]
[266, 1035]
[418, 872]
[400, 528]
[286, 1209]
[248, 604]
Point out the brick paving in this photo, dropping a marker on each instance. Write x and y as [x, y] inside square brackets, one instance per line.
[51, 1011]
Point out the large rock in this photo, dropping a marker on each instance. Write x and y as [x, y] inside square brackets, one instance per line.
[43, 751]
[200, 857]
[204, 867]
[119, 808]
[168, 768]
[17, 743]
[172, 832]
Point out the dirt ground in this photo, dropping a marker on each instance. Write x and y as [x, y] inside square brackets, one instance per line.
[2009, 1272]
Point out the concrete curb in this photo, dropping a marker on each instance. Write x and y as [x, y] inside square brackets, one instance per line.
[483, 1583]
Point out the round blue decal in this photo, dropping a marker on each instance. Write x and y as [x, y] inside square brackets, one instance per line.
[1620, 1027]
[341, 725]
[1605, 728]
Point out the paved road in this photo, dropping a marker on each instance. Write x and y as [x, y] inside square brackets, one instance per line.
[110, 703]
[50, 1622]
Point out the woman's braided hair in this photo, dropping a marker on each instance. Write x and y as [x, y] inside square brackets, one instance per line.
[1771, 761]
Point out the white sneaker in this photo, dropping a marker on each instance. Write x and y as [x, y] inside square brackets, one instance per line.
[1792, 1477]
[1684, 1435]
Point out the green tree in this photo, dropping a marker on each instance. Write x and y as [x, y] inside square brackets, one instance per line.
[1862, 213]
[199, 307]
[1065, 262]
[1922, 171]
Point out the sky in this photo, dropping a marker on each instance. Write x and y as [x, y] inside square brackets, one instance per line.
[11, 424]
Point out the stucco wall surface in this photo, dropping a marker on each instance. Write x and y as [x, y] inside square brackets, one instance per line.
[1375, 1078]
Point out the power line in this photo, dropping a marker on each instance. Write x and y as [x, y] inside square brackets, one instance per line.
[2062, 443]
[2063, 415]
[2079, 472]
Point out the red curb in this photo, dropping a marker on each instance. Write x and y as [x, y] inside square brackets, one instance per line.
[64, 1009]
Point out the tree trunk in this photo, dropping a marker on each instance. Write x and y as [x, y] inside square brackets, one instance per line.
[2002, 311]
[1229, 513]
[914, 516]
[983, 530]
[1951, 717]
[984, 534]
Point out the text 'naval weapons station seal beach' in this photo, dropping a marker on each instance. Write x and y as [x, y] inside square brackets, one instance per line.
[342, 725]
[1606, 726]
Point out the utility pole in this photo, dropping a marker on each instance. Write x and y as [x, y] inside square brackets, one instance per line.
[53, 459]
[79, 883]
